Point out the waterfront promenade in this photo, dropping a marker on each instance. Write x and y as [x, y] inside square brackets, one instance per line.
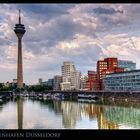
[109, 95]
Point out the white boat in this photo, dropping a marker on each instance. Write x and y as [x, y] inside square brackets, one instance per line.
[83, 96]
[59, 96]
[86, 100]
[46, 96]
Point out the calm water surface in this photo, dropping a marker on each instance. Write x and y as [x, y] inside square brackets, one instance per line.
[54, 114]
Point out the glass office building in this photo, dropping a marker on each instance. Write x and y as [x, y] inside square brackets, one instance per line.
[122, 81]
[127, 65]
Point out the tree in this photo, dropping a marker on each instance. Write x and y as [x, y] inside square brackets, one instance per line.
[39, 88]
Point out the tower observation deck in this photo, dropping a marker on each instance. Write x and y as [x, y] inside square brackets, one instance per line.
[19, 31]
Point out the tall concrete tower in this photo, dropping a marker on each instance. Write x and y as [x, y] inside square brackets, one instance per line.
[19, 31]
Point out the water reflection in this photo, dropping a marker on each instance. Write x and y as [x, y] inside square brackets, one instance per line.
[55, 114]
[20, 112]
[73, 112]
[124, 116]
[108, 117]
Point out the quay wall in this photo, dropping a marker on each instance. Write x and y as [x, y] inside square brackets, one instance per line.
[4, 94]
[109, 95]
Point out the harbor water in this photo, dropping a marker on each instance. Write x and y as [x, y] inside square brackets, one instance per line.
[30, 113]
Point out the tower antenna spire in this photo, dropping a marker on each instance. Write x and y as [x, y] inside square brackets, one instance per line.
[19, 17]
[19, 30]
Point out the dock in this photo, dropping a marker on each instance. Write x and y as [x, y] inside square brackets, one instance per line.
[93, 95]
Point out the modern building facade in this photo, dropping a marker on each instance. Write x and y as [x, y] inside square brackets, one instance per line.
[101, 65]
[65, 86]
[19, 31]
[106, 66]
[75, 80]
[127, 65]
[67, 68]
[83, 80]
[122, 81]
[70, 77]
[50, 82]
[57, 81]
[92, 81]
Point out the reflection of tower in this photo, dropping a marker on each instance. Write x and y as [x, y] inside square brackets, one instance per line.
[19, 31]
[20, 112]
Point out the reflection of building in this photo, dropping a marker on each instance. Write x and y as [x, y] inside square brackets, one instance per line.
[123, 81]
[123, 115]
[105, 124]
[127, 65]
[20, 113]
[19, 31]
[57, 106]
[57, 81]
[98, 111]
[71, 114]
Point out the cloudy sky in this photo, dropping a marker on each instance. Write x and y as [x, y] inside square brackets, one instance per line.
[82, 33]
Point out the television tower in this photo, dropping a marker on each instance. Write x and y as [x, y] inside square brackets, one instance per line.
[19, 31]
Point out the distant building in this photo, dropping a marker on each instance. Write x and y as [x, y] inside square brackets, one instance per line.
[14, 81]
[75, 80]
[92, 81]
[83, 80]
[101, 65]
[127, 65]
[67, 68]
[50, 82]
[57, 81]
[65, 86]
[122, 81]
[45, 83]
[70, 76]
[40, 81]
[7, 84]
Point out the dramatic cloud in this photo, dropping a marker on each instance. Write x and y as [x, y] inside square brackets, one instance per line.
[82, 33]
[101, 10]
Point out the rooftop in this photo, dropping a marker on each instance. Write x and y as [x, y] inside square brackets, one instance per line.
[132, 71]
